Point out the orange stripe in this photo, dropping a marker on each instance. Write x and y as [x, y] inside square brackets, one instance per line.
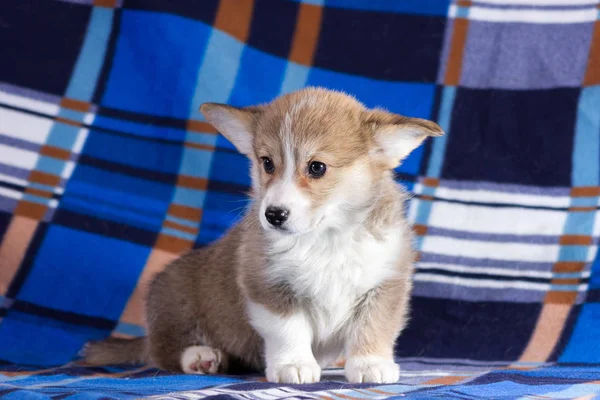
[105, 3]
[560, 298]
[55, 152]
[234, 17]
[568, 266]
[199, 146]
[76, 105]
[200, 126]
[457, 46]
[306, 34]
[431, 182]
[446, 380]
[585, 191]
[31, 210]
[575, 240]
[189, 213]
[38, 192]
[420, 230]
[592, 75]
[12, 249]
[192, 182]
[547, 332]
[135, 309]
[44, 178]
[582, 209]
[173, 244]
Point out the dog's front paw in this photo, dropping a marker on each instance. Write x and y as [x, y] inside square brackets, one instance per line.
[201, 360]
[301, 372]
[371, 369]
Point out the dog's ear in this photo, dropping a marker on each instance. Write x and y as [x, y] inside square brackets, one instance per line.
[236, 124]
[396, 136]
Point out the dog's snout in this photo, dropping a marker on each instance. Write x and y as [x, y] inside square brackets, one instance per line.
[276, 216]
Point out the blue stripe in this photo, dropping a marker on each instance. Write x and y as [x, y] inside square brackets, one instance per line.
[63, 136]
[573, 253]
[586, 152]
[438, 147]
[295, 77]
[201, 138]
[189, 197]
[179, 234]
[564, 288]
[218, 72]
[195, 162]
[86, 72]
[130, 329]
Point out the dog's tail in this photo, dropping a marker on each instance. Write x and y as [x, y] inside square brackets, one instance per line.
[116, 351]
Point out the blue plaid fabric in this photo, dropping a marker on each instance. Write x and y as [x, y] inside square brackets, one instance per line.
[108, 172]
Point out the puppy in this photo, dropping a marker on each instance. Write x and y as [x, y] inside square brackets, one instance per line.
[318, 269]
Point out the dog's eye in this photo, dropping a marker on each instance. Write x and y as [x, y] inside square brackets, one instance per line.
[317, 169]
[268, 165]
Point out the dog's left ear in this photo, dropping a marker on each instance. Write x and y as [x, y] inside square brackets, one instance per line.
[396, 136]
[236, 124]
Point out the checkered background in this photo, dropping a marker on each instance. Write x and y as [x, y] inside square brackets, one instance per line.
[108, 171]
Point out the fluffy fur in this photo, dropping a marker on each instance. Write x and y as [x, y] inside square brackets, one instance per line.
[332, 281]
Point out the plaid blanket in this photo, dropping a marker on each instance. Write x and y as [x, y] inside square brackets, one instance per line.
[108, 172]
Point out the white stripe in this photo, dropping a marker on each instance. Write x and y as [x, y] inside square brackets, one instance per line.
[13, 180]
[88, 118]
[18, 157]
[492, 197]
[505, 220]
[24, 126]
[24, 183]
[80, 140]
[491, 271]
[490, 250]
[490, 284]
[535, 16]
[67, 170]
[481, 283]
[28, 103]
[540, 2]
[11, 193]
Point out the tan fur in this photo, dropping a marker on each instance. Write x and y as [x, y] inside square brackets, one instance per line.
[201, 298]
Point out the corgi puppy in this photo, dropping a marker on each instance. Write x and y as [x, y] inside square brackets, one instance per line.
[320, 266]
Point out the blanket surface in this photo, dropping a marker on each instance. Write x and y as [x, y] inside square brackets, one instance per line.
[108, 172]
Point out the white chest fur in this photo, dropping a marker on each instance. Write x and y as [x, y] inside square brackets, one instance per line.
[334, 271]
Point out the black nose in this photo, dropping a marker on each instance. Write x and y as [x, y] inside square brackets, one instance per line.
[276, 216]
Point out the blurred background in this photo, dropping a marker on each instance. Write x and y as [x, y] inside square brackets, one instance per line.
[108, 171]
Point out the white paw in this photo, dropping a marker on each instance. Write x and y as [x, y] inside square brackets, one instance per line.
[371, 369]
[201, 360]
[301, 372]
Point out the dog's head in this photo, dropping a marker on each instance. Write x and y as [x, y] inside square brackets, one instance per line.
[317, 155]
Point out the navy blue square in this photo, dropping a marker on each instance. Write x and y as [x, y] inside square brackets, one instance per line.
[381, 45]
[5, 219]
[273, 16]
[25, 50]
[523, 137]
[467, 330]
[204, 11]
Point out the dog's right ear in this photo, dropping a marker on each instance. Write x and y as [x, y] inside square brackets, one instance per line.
[236, 124]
